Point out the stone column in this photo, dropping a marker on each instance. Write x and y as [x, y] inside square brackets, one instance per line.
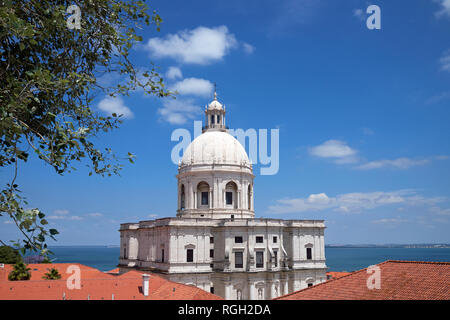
[195, 200]
[210, 199]
[179, 197]
[227, 290]
[238, 204]
[286, 287]
[251, 291]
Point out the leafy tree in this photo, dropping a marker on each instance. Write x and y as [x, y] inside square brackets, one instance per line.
[53, 274]
[49, 77]
[9, 255]
[20, 272]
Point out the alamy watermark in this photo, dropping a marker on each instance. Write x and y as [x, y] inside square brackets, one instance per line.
[374, 20]
[374, 280]
[74, 20]
[74, 280]
[257, 141]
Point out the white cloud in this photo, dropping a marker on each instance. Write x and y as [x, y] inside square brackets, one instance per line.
[152, 216]
[445, 8]
[61, 211]
[178, 111]
[368, 131]
[193, 86]
[359, 13]
[389, 221]
[336, 149]
[320, 198]
[95, 214]
[63, 217]
[8, 222]
[445, 60]
[174, 73]
[248, 48]
[352, 202]
[438, 98]
[201, 45]
[111, 105]
[400, 163]
[440, 211]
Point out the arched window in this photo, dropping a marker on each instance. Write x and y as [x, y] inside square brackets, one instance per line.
[309, 282]
[231, 195]
[182, 198]
[203, 195]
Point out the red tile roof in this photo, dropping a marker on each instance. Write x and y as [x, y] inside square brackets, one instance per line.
[113, 271]
[95, 285]
[400, 280]
[336, 274]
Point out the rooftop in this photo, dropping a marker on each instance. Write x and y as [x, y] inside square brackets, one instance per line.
[95, 285]
[400, 280]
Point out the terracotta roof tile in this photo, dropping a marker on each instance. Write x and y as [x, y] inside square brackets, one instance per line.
[336, 275]
[95, 285]
[400, 280]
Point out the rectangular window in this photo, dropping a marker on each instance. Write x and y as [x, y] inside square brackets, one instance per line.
[211, 253]
[125, 253]
[309, 253]
[275, 256]
[275, 239]
[189, 255]
[238, 240]
[211, 239]
[212, 119]
[310, 285]
[205, 198]
[229, 197]
[259, 259]
[259, 239]
[211, 289]
[162, 255]
[238, 260]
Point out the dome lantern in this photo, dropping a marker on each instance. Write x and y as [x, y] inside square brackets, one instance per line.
[215, 115]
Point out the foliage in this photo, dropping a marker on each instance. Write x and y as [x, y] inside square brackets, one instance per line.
[49, 77]
[36, 259]
[20, 272]
[9, 255]
[52, 274]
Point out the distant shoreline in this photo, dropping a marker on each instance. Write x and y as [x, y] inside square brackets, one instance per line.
[417, 245]
[402, 246]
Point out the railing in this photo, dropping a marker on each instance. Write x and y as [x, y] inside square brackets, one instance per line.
[215, 126]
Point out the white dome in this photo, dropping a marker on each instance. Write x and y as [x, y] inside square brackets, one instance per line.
[215, 105]
[217, 147]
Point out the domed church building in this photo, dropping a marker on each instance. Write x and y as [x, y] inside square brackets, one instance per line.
[215, 242]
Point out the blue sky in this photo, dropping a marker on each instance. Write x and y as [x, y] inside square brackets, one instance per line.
[362, 116]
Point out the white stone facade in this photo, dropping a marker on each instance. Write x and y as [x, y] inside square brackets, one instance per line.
[214, 242]
[162, 246]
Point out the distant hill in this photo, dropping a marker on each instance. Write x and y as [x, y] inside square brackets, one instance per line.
[390, 245]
